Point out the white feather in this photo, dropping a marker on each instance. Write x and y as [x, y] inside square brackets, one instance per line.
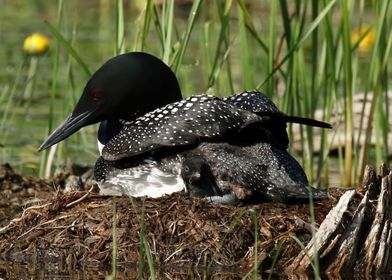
[100, 147]
[137, 182]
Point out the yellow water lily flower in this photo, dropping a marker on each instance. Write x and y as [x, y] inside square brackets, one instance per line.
[36, 44]
[367, 42]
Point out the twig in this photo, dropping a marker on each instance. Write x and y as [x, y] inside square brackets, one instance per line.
[16, 220]
[302, 224]
[81, 198]
[44, 223]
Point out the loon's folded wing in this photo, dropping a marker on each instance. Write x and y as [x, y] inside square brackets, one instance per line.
[179, 124]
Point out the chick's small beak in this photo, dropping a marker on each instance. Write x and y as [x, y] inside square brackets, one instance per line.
[194, 177]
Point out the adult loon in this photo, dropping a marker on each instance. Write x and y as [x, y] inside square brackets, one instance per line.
[149, 136]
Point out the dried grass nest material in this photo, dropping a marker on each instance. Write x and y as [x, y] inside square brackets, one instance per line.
[75, 229]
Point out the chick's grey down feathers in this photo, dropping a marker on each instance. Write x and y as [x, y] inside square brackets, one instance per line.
[258, 171]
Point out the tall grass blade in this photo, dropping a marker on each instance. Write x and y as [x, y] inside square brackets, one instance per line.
[114, 238]
[11, 98]
[120, 30]
[286, 21]
[374, 80]
[348, 94]
[315, 54]
[167, 24]
[250, 26]
[310, 29]
[145, 250]
[53, 90]
[224, 17]
[146, 23]
[234, 222]
[271, 45]
[256, 252]
[279, 249]
[244, 50]
[64, 42]
[185, 38]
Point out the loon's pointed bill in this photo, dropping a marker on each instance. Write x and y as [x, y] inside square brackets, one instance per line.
[70, 125]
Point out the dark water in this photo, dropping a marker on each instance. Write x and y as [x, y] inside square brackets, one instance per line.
[128, 271]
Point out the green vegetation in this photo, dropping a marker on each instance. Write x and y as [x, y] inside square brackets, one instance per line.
[306, 55]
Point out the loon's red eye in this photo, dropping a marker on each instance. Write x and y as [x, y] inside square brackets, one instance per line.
[96, 94]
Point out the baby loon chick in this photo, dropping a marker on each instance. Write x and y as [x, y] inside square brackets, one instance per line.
[146, 127]
[257, 172]
[200, 182]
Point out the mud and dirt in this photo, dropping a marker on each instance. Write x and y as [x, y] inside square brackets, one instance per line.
[43, 224]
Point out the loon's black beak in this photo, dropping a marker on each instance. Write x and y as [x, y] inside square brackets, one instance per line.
[70, 125]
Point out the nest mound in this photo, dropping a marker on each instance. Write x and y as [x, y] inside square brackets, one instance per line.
[75, 229]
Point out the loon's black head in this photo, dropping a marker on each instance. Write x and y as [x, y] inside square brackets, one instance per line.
[125, 87]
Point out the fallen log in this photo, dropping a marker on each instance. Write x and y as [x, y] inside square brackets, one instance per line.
[355, 237]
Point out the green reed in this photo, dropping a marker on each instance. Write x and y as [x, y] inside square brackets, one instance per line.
[114, 245]
[300, 53]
